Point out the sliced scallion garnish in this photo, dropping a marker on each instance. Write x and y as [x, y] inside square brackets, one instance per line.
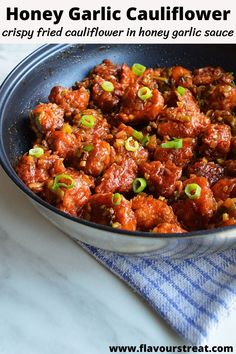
[139, 184]
[88, 120]
[138, 69]
[193, 191]
[180, 90]
[138, 135]
[107, 86]
[88, 148]
[116, 199]
[144, 93]
[131, 145]
[37, 121]
[173, 144]
[145, 140]
[36, 152]
[59, 181]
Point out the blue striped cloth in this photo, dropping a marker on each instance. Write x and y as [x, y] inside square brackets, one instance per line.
[191, 294]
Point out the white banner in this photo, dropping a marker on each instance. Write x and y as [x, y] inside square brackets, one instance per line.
[23, 21]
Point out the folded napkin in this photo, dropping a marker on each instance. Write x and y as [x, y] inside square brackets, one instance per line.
[191, 294]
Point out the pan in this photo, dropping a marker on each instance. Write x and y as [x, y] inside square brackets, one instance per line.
[30, 83]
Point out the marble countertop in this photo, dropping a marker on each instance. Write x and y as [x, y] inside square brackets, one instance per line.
[55, 298]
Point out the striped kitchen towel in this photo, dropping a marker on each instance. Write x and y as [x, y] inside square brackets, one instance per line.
[191, 294]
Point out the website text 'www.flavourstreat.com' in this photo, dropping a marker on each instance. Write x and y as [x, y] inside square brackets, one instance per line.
[144, 348]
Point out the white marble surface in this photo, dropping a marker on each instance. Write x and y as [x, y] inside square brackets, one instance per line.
[56, 299]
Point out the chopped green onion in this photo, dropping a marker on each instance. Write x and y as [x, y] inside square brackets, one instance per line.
[107, 86]
[138, 69]
[193, 190]
[173, 144]
[137, 135]
[67, 128]
[180, 90]
[144, 93]
[88, 148]
[139, 184]
[145, 140]
[140, 137]
[37, 121]
[131, 147]
[88, 120]
[116, 225]
[57, 184]
[36, 152]
[116, 199]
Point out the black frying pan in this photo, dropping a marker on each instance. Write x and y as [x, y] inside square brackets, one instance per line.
[31, 82]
